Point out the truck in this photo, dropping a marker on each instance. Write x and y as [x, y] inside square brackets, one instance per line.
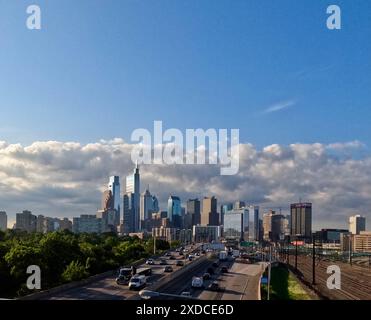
[144, 271]
[223, 255]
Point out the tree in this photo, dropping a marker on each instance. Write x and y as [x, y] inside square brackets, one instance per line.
[74, 271]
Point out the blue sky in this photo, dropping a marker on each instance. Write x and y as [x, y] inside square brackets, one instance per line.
[100, 69]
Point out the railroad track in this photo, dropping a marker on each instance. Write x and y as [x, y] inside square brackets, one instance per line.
[355, 280]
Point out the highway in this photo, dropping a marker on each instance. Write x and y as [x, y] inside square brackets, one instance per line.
[107, 288]
[241, 282]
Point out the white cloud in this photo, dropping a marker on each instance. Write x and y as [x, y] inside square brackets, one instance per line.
[66, 178]
[280, 106]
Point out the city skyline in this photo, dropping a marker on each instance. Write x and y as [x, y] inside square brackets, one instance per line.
[58, 193]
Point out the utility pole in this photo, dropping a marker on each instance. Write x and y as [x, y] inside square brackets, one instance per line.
[350, 249]
[269, 271]
[296, 254]
[313, 260]
[154, 244]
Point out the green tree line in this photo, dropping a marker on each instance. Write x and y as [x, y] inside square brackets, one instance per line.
[65, 256]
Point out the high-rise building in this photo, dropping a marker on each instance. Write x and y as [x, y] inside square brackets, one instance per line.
[174, 211]
[26, 221]
[357, 223]
[301, 220]
[133, 188]
[236, 224]
[148, 205]
[128, 221]
[3, 221]
[114, 187]
[254, 223]
[107, 200]
[194, 210]
[223, 210]
[239, 205]
[274, 225]
[46, 224]
[210, 216]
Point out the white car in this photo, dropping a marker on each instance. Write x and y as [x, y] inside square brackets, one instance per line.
[150, 261]
[137, 282]
[197, 282]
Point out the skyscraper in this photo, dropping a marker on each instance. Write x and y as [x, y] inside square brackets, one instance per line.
[174, 211]
[301, 220]
[128, 219]
[114, 187]
[148, 205]
[133, 193]
[3, 221]
[357, 223]
[223, 210]
[194, 211]
[254, 223]
[236, 224]
[209, 216]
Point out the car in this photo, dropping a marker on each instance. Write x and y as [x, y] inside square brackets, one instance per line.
[186, 294]
[206, 276]
[180, 263]
[163, 262]
[224, 269]
[203, 251]
[150, 261]
[197, 282]
[171, 258]
[197, 254]
[214, 286]
[190, 257]
[167, 254]
[210, 271]
[181, 253]
[137, 282]
[168, 269]
[215, 264]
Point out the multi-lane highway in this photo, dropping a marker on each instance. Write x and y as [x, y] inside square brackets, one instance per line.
[107, 288]
[241, 282]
